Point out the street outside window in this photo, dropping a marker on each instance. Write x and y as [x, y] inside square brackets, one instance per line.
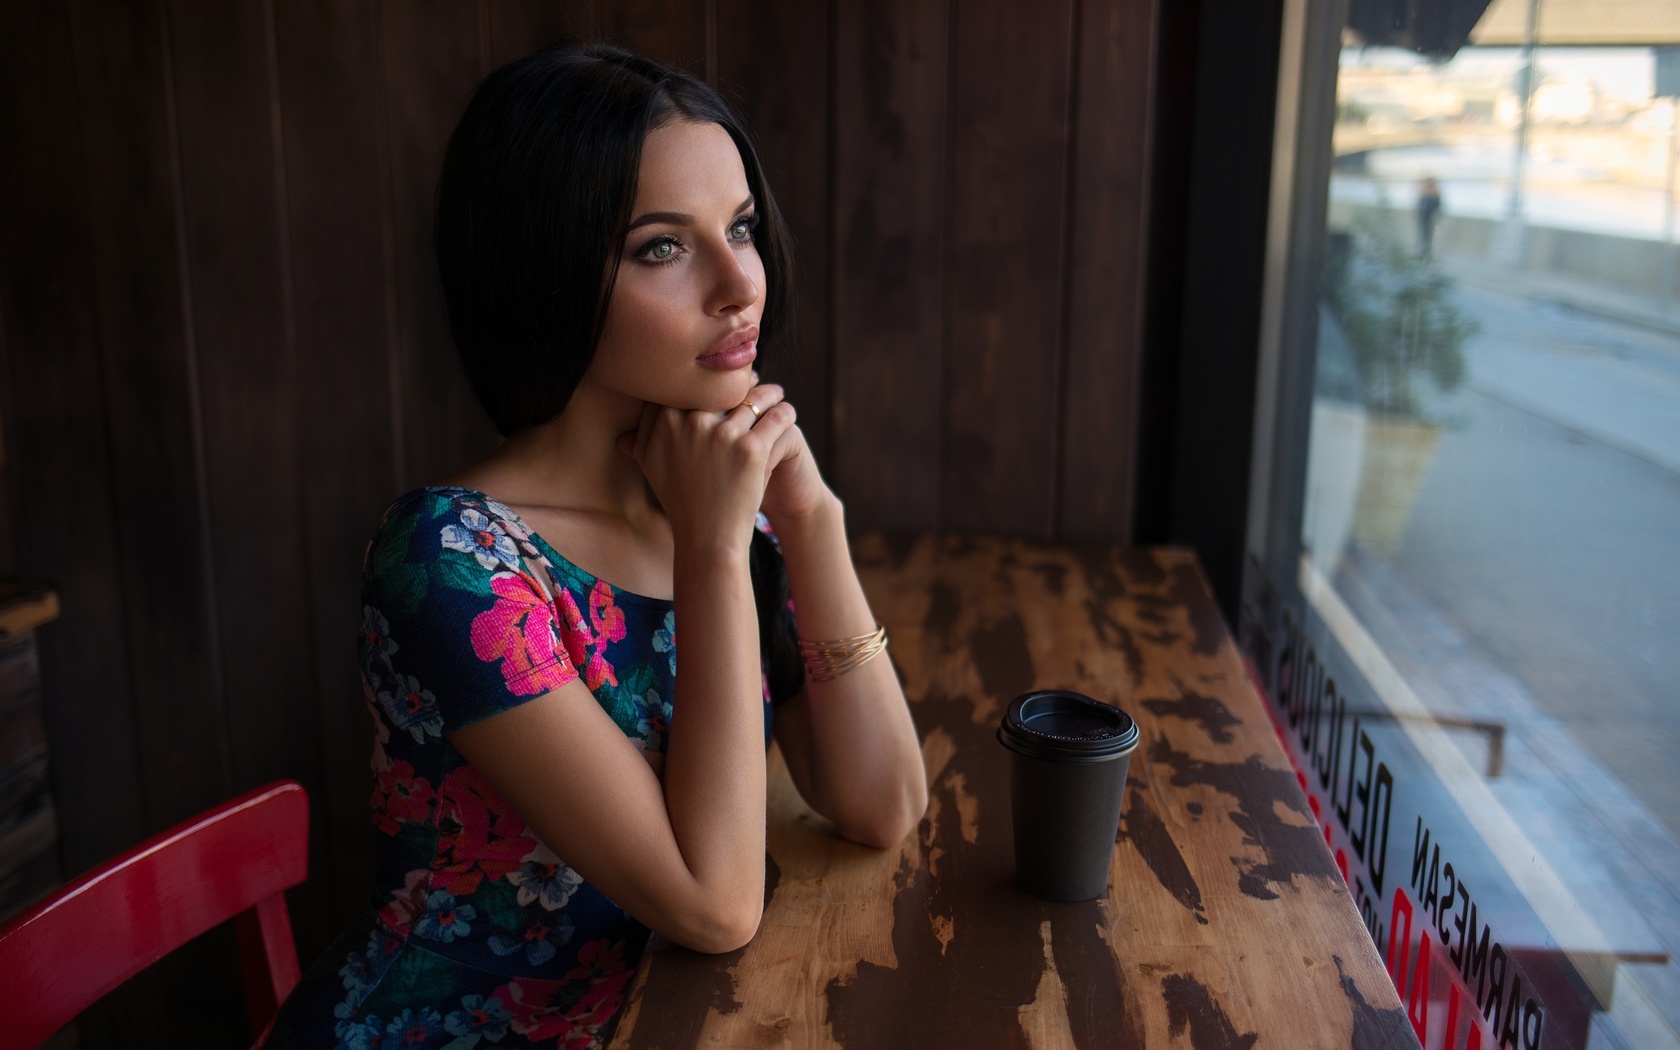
[1486, 700]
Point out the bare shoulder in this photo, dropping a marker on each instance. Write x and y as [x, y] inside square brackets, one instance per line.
[632, 553]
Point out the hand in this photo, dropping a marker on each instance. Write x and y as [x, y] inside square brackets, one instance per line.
[709, 470]
[796, 487]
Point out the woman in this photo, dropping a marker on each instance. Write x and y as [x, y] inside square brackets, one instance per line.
[548, 788]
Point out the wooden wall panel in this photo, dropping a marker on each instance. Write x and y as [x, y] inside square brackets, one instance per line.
[432, 64]
[338, 224]
[519, 27]
[238, 250]
[160, 503]
[773, 65]
[1107, 241]
[153, 411]
[224, 349]
[890, 77]
[57, 439]
[57, 449]
[677, 32]
[1009, 139]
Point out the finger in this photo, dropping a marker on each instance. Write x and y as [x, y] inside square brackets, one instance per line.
[763, 398]
[770, 427]
[789, 445]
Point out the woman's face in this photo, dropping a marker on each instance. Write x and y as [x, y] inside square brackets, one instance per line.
[682, 324]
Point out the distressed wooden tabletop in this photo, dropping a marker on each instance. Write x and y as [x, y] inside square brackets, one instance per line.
[1226, 923]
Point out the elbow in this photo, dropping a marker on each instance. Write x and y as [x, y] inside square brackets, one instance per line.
[726, 927]
[906, 820]
[888, 826]
[735, 931]
[883, 837]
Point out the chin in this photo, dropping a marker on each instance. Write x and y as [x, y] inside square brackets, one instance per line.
[727, 394]
[713, 392]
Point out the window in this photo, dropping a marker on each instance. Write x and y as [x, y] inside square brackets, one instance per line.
[1463, 591]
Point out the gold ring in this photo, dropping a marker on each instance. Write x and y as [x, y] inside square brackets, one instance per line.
[757, 415]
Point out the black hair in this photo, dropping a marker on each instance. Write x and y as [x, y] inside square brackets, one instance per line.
[532, 208]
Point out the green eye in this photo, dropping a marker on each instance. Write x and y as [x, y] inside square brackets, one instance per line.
[663, 250]
[742, 230]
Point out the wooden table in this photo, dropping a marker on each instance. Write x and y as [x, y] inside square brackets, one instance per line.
[1226, 923]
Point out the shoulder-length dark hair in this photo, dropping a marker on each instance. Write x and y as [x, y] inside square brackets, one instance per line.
[532, 211]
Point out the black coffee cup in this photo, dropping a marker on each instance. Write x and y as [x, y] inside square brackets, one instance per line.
[1067, 775]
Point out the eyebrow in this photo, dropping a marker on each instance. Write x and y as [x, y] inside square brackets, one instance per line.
[674, 218]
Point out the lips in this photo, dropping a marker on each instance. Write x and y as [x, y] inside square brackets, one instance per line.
[740, 337]
[733, 351]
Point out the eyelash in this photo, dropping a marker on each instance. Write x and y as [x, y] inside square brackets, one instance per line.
[645, 252]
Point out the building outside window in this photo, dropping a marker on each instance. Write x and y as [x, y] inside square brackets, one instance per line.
[1463, 587]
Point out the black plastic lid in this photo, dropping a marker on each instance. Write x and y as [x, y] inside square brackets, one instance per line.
[1066, 727]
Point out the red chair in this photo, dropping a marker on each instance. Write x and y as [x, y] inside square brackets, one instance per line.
[59, 957]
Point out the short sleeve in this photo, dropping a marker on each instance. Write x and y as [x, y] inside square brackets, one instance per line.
[455, 626]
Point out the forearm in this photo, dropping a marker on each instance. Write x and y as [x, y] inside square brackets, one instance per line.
[715, 763]
[863, 766]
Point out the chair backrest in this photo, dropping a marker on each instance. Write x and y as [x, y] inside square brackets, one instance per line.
[63, 954]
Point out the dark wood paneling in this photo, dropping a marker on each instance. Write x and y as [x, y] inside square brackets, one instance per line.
[58, 448]
[670, 31]
[338, 223]
[432, 64]
[1009, 112]
[152, 405]
[224, 346]
[890, 77]
[128, 121]
[1107, 238]
[57, 443]
[519, 27]
[238, 251]
[247, 371]
[772, 63]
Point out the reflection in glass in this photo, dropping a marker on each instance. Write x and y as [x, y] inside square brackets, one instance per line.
[1491, 527]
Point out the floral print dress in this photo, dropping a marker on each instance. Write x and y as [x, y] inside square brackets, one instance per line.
[477, 934]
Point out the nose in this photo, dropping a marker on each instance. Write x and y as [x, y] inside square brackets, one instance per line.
[735, 284]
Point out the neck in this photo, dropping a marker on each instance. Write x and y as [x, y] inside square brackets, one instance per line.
[573, 462]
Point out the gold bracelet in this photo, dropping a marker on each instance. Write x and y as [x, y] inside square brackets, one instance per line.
[826, 661]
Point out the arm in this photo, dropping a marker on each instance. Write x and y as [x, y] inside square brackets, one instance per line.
[849, 743]
[685, 856]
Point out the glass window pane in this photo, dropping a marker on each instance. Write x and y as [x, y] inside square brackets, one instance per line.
[1481, 684]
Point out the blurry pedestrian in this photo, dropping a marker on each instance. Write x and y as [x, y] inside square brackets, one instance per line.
[1428, 213]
